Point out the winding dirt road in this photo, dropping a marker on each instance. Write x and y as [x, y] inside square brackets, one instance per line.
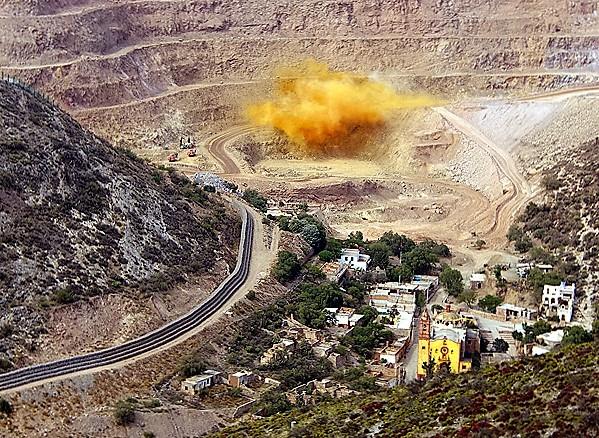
[216, 146]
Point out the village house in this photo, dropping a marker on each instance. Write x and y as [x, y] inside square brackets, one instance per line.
[354, 259]
[307, 391]
[195, 384]
[511, 312]
[345, 317]
[277, 351]
[558, 301]
[335, 272]
[243, 378]
[390, 354]
[477, 281]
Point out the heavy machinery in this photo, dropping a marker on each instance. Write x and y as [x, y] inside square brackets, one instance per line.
[192, 152]
[173, 157]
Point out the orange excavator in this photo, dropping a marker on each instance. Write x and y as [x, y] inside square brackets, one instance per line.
[173, 157]
[191, 153]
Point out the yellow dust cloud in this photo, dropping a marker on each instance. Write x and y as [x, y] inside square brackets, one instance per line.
[329, 112]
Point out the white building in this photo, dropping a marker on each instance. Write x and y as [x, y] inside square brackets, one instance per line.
[551, 339]
[477, 281]
[396, 295]
[354, 259]
[345, 316]
[559, 300]
[510, 311]
[195, 384]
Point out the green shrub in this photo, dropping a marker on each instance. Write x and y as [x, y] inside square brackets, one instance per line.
[192, 365]
[576, 335]
[255, 199]
[326, 256]
[63, 296]
[124, 413]
[5, 407]
[489, 303]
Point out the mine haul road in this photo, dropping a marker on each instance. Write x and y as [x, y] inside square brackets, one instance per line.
[150, 343]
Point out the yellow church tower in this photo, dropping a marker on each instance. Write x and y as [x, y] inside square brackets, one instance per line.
[424, 343]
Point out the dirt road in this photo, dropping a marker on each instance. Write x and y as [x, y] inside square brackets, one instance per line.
[216, 146]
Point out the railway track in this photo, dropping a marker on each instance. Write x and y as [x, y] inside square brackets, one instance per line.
[150, 342]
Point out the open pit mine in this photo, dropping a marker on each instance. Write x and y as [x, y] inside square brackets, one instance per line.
[299, 218]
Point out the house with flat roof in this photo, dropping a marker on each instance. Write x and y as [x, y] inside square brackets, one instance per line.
[345, 317]
[242, 378]
[558, 301]
[510, 312]
[195, 384]
[354, 259]
[477, 281]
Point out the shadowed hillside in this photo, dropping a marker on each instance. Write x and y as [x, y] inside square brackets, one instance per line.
[555, 395]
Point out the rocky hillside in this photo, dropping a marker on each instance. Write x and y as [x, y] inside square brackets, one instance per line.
[566, 222]
[80, 218]
[554, 395]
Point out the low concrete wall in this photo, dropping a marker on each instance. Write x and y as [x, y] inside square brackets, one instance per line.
[244, 408]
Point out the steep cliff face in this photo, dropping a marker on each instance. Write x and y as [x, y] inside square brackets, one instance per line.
[80, 218]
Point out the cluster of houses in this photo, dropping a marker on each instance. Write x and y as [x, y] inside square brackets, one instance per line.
[306, 394]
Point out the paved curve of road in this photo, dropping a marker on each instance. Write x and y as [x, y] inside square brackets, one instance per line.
[152, 342]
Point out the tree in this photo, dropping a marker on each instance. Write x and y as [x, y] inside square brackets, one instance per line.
[429, 367]
[514, 233]
[420, 259]
[576, 335]
[452, 280]
[313, 273]
[287, 266]
[326, 255]
[523, 245]
[468, 296]
[5, 407]
[500, 346]
[379, 253]
[401, 273]
[192, 365]
[355, 238]
[335, 246]
[489, 303]
[518, 336]
[273, 402]
[397, 243]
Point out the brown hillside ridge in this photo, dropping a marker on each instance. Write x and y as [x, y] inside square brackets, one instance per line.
[79, 218]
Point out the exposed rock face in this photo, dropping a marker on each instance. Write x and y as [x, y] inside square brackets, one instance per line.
[80, 218]
[132, 60]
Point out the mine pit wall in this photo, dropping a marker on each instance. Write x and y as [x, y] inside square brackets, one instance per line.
[94, 27]
[134, 63]
[151, 70]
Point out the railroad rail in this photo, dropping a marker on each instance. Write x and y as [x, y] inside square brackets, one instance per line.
[150, 342]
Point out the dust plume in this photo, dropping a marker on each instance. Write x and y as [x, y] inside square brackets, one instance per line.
[328, 112]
